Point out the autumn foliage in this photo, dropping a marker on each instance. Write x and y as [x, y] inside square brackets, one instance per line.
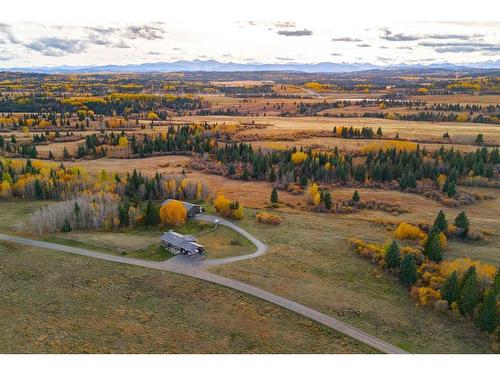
[228, 208]
[173, 214]
[265, 217]
[408, 231]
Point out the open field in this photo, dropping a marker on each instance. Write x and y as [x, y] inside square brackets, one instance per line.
[416, 130]
[459, 98]
[60, 303]
[309, 261]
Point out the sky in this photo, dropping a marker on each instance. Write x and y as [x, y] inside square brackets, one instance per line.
[54, 32]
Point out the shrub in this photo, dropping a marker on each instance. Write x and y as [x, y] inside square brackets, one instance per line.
[312, 194]
[425, 295]
[408, 231]
[268, 218]
[299, 157]
[228, 208]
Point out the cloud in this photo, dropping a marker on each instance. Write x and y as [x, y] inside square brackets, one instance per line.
[53, 46]
[346, 39]
[363, 45]
[147, 32]
[384, 59]
[154, 53]
[335, 54]
[7, 32]
[399, 37]
[6, 55]
[284, 58]
[121, 44]
[461, 47]
[304, 32]
[176, 49]
[284, 24]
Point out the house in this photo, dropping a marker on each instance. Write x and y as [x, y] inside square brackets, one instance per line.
[177, 243]
[192, 209]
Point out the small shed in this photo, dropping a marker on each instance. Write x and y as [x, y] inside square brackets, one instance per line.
[177, 243]
[192, 209]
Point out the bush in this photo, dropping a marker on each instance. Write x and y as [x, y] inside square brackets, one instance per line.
[268, 218]
[425, 295]
[228, 208]
[408, 231]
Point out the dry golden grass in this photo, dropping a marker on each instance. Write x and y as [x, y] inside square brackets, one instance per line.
[459, 98]
[415, 130]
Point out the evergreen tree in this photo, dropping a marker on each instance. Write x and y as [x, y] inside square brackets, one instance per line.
[66, 226]
[451, 288]
[487, 318]
[152, 214]
[392, 256]
[274, 196]
[432, 249]
[440, 223]
[123, 214]
[408, 270]
[355, 196]
[66, 154]
[244, 175]
[469, 295]
[479, 139]
[496, 282]
[326, 198]
[272, 175]
[462, 223]
[451, 190]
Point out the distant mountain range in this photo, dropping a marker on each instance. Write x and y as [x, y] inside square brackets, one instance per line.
[217, 66]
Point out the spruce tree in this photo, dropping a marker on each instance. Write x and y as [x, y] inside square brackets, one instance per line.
[496, 282]
[152, 215]
[462, 223]
[432, 249]
[451, 191]
[469, 295]
[451, 289]
[327, 199]
[274, 196]
[392, 256]
[408, 270]
[487, 312]
[355, 196]
[440, 224]
[66, 226]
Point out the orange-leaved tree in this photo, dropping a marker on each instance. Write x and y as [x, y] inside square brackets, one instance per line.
[173, 214]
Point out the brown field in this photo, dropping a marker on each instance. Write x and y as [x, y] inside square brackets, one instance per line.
[416, 130]
[459, 98]
[61, 303]
[309, 261]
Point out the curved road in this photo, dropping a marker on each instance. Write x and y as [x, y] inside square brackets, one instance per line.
[194, 270]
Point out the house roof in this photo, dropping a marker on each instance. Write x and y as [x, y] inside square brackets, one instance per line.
[187, 243]
[186, 205]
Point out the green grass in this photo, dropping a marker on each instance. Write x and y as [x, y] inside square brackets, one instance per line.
[53, 302]
[309, 261]
[224, 242]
